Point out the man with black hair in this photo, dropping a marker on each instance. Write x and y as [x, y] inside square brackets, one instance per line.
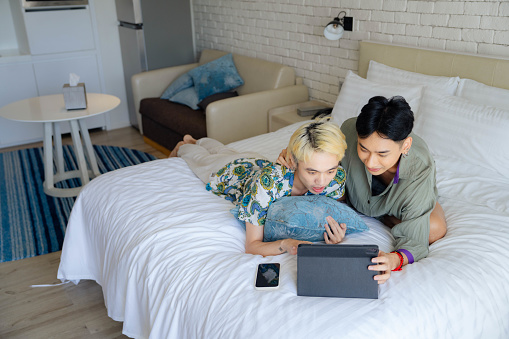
[391, 176]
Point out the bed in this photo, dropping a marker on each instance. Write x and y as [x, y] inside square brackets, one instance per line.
[170, 256]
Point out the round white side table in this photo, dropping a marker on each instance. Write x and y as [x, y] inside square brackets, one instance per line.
[50, 110]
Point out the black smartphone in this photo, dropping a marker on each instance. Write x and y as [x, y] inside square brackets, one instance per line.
[267, 276]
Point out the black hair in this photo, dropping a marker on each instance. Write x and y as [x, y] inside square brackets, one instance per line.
[390, 118]
[311, 136]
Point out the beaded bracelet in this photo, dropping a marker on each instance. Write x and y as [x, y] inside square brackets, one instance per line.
[408, 255]
[399, 268]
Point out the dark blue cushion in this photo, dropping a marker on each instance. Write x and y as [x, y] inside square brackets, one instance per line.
[217, 76]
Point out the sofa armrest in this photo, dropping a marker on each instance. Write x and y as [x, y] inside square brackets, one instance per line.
[153, 83]
[245, 116]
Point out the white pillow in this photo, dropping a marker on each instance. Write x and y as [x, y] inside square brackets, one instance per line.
[385, 74]
[458, 128]
[483, 94]
[356, 92]
[488, 188]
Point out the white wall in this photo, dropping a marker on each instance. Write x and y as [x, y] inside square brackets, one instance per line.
[291, 31]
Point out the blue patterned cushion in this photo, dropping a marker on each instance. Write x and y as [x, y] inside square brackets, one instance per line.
[216, 76]
[184, 81]
[303, 218]
[187, 97]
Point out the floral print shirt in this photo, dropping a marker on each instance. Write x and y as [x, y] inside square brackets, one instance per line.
[254, 184]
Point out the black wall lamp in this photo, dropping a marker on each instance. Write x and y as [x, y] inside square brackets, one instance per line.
[334, 29]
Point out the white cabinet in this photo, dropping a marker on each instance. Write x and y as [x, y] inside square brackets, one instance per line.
[51, 45]
[58, 31]
[17, 82]
[20, 81]
[53, 73]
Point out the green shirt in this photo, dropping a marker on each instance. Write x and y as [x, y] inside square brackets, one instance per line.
[411, 199]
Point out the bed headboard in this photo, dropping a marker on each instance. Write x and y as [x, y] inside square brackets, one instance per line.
[491, 71]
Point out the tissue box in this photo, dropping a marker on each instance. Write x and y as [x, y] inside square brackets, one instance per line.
[75, 97]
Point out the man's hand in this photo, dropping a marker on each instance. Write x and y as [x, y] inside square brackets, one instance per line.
[386, 263]
[291, 245]
[334, 232]
[286, 159]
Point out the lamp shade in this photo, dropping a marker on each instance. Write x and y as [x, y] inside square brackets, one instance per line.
[333, 31]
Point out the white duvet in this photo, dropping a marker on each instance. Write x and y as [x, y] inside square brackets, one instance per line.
[170, 259]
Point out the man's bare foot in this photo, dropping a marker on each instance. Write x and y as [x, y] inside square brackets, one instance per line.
[174, 152]
[188, 139]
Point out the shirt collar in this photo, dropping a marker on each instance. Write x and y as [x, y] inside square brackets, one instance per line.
[396, 176]
[405, 166]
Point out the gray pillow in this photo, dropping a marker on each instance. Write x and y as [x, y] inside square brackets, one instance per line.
[186, 97]
[181, 83]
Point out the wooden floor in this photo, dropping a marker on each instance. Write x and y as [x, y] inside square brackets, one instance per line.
[67, 311]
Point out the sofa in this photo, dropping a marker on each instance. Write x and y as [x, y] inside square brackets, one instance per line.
[266, 85]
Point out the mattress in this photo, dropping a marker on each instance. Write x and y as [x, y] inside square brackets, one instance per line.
[170, 259]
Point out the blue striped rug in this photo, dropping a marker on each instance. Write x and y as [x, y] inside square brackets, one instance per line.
[33, 223]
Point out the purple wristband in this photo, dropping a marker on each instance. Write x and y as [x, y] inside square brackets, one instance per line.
[408, 255]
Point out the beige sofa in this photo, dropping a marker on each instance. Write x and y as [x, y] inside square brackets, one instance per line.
[266, 85]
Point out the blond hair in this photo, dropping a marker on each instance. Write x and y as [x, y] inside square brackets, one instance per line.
[317, 136]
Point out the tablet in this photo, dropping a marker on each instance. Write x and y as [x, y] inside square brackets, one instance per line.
[336, 271]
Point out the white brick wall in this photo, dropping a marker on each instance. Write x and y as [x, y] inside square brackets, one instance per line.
[291, 31]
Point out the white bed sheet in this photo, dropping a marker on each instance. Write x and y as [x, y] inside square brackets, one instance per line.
[170, 259]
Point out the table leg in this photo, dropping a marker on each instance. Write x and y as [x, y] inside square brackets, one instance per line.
[78, 149]
[57, 137]
[89, 148]
[48, 157]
